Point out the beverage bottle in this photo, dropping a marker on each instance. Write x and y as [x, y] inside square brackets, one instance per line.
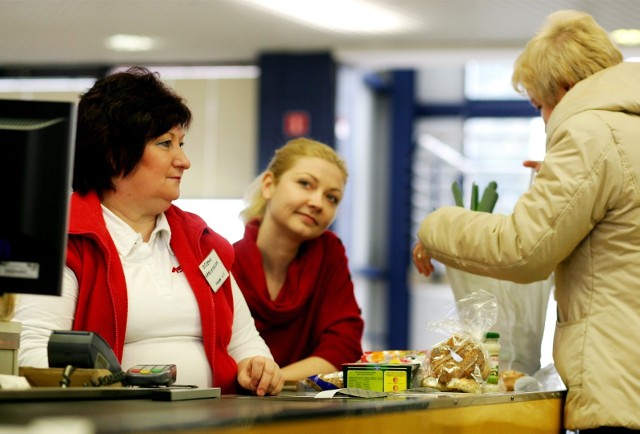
[492, 343]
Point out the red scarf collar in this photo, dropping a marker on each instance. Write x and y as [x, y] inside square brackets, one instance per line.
[298, 287]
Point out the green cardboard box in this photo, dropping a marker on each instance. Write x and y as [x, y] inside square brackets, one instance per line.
[379, 377]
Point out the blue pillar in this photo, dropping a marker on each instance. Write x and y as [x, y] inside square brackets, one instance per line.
[399, 243]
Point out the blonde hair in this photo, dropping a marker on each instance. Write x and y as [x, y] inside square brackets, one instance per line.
[283, 159]
[569, 47]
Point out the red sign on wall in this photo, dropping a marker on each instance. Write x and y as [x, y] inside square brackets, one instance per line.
[296, 123]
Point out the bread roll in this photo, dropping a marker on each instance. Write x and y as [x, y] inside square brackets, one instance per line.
[507, 379]
[458, 357]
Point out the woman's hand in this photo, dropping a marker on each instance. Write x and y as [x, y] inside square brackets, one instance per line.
[421, 260]
[260, 375]
[535, 165]
[535, 168]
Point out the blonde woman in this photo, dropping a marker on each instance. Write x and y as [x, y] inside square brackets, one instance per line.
[292, 270]
[580, 219]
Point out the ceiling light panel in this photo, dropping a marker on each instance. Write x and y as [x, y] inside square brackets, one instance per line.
[122, 42]
[345, 16]
[627, 37]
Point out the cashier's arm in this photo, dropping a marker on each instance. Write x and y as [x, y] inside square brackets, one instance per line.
[307, 367]
[257, 371]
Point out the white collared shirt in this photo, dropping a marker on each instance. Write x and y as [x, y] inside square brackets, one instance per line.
[163, 323]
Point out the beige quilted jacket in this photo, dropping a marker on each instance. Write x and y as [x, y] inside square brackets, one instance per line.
[581, 220]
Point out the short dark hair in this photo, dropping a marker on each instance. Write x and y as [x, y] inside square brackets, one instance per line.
[116, 118]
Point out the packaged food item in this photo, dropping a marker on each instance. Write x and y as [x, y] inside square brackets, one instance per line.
[461, 362]
[379, 377]
[492, 343]
[458, 358]
[527, 384]
[330, 381]
[386, 370]
[508, 379]
[393, 356]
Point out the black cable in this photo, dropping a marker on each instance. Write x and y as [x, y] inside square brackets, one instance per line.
[116, 377]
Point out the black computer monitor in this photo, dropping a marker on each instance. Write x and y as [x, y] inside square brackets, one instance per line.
[36, 147]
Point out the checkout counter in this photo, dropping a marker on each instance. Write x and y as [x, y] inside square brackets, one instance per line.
[289, 413]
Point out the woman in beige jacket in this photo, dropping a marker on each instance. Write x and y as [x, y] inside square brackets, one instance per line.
[580, 220]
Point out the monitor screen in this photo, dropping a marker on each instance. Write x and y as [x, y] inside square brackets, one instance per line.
[36, 144]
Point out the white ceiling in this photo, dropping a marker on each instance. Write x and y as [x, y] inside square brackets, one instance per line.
[203, 32]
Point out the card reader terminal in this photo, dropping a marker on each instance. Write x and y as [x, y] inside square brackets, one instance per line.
[151, 375]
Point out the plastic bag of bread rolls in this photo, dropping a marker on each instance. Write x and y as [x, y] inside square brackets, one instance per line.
[461, 361]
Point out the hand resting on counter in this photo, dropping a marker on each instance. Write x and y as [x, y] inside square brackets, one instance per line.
[260, 375]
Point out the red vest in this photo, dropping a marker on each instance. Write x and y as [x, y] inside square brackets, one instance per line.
[102, 296]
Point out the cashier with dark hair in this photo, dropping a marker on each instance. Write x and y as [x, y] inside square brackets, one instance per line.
[152, 280]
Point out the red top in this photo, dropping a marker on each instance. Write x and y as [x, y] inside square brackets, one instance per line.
[102, 293]
[315, 313]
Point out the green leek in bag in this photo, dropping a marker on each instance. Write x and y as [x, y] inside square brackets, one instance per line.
[486, 203]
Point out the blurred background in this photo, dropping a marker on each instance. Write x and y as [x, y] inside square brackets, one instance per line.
[415, 94]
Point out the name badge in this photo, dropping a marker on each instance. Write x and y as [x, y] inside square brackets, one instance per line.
[214, 271]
